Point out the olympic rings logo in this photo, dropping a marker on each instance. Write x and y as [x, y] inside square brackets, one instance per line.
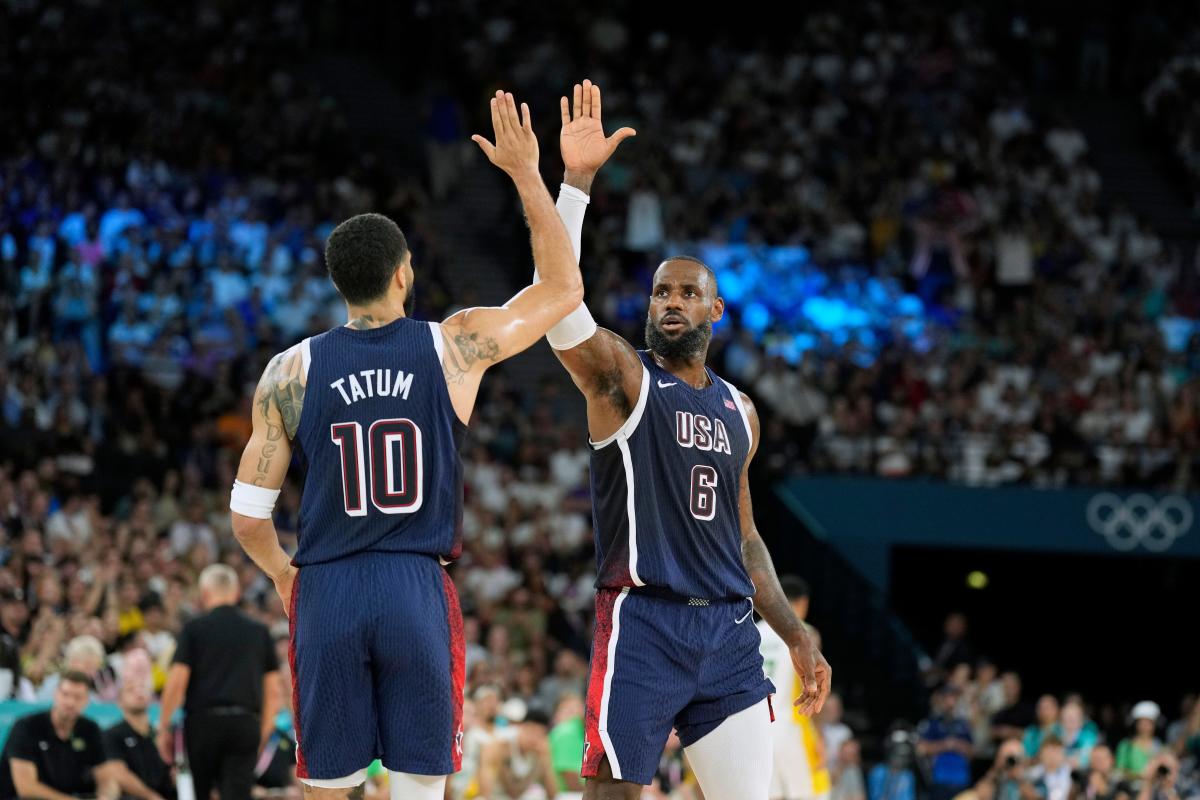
[1139, 519]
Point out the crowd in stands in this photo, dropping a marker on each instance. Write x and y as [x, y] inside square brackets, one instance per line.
[161, 229]
[978, 313]
[985, 740]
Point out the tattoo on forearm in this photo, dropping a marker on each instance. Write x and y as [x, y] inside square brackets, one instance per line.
[769, 599]
[358, 792]
[467, 349]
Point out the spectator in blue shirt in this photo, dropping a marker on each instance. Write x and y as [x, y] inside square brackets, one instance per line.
[945, 739]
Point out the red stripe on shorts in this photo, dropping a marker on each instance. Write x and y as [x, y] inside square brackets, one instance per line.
[593, 750]
[301, 764]
[458, 665]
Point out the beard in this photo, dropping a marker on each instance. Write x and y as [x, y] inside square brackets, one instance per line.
[689, 344]
[410, 301]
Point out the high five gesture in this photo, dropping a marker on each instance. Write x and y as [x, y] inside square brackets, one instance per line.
[584, 146]
[516, 147]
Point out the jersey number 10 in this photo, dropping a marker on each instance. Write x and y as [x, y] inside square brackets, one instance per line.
[391, 466]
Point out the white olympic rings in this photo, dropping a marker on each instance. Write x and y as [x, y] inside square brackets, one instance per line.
[1139, 519]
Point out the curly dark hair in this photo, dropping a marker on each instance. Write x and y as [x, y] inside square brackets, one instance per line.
[362, 255]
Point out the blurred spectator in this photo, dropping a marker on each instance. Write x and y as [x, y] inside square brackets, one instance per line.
[1135, 752]
[674, 779]
[1006, 779]
[566, 746]
[1103, 781]
[130, 744]
[1011, 721]
[847, 776]
[58, 753]
[1046, 725]
[13, 614]
[954, 650]
[1051, 776]
[945, 740]
[570, 677]
[1186, 740]
[1160, 779]
[83, 654]
[834, 732]
[1078, 734]
[515, 764]
[893, 778]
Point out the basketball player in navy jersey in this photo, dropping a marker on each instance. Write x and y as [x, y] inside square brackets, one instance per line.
[681, 565]
[376, 410]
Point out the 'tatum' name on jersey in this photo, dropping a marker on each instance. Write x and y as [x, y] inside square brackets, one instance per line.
[702, 433]
[373, 383]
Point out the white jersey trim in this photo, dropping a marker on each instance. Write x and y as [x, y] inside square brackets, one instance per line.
[609, 668]
[630, 509]
[305, 357]
[626, 430]
[438, 343]
[737, 398]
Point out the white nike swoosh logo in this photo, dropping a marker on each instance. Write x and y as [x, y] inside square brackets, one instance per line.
[662, 385]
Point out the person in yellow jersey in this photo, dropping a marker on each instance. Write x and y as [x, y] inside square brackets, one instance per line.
[800, 771]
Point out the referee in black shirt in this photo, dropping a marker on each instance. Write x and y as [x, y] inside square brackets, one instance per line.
[226, 676]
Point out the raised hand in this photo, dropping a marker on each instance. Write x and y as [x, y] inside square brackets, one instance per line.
[582, 142]
[516, 147]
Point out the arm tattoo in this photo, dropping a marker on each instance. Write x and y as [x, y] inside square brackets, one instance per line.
[282, 386]
[769, 600]
[467, 349]
[269, 448]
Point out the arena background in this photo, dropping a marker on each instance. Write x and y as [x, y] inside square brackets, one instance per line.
[958, 244]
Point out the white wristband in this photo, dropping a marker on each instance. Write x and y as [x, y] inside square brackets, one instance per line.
[572, 205]
[573, 329]
[252, 501]
[578, 326]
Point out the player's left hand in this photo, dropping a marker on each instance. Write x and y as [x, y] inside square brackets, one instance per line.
[816, 677]
[582, 142]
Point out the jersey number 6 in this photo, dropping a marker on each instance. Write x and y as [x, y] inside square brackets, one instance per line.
[704, 492]
[392, 466]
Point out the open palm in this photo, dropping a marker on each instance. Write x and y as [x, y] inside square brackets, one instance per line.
[582, 141]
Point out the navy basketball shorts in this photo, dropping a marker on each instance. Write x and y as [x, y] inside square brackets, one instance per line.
[378, 669]
[659, 664]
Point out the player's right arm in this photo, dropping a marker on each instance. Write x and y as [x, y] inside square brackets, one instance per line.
[477, 338]
[603, 365]
[278, 401]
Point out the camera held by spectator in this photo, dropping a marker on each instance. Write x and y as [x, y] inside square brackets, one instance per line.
[1158, 780]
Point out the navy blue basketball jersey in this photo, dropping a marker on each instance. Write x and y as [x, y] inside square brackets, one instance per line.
[380, 442]
[665, 490]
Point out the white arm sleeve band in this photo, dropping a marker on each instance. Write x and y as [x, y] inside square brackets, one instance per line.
[253, 501]
[578, 326]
